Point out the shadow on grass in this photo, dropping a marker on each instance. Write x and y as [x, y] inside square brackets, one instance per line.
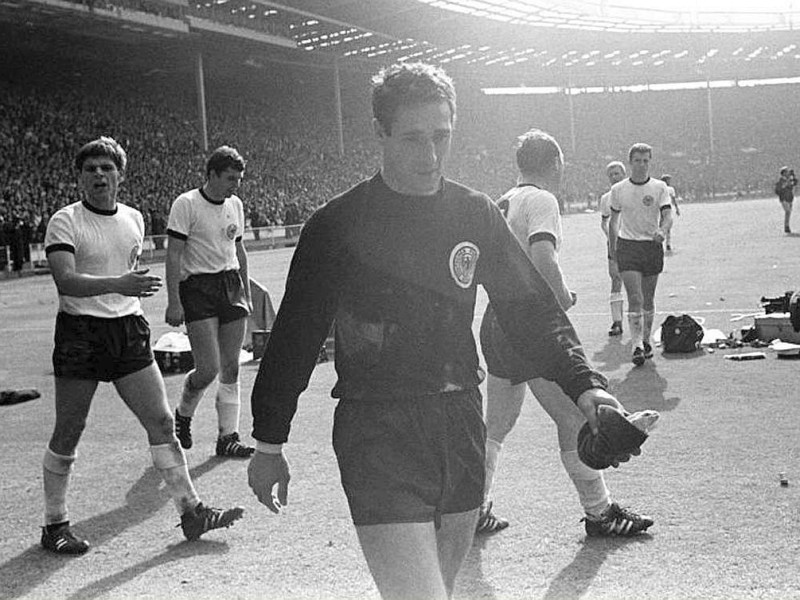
[574, 580]
[643, 388]
[613, 355]
[175, 552]
[26, 571]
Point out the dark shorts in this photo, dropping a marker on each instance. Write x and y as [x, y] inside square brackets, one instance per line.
[643, 256]
[100, 349]
[413, 460]
[501, 359]
[210, 295]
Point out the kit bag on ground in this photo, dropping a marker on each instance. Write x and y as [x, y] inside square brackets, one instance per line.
[681, 334]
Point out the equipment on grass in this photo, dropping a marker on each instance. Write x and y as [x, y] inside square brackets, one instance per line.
[173, 353]
[619, 433]
[681, 334]
[9, 397]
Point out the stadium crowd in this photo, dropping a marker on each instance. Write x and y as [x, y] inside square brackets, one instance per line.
[281, 118]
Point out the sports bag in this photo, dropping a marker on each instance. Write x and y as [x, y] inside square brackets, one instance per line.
[681, 334]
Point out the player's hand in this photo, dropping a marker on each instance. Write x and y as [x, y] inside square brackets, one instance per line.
[588, 402]
[659, 236]
[574, 296]
[174, 315]
[264, 472]
[138, 283]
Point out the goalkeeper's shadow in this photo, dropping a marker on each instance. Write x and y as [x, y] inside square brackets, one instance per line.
[643, 388]
[575, 579]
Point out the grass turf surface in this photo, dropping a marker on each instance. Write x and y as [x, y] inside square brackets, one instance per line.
[724, 527]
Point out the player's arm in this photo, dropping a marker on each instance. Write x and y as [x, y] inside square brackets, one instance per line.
[613, 232]
[175, 247]
[545, 259]
[244, 271]
[301, 326]
[665, 216]
[69, 282]
[604, 223]
[674, 198]
[303, 321]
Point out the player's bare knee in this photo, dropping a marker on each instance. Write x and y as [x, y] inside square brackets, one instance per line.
[160, 428]
[201, 378]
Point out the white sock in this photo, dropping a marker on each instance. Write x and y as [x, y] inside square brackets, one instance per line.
[635, 324]
[591, 485]
[170, 461]
[190, 397]
[493, 449]
[616, 301]
[647, 324]
[228, 406]
[56, 469]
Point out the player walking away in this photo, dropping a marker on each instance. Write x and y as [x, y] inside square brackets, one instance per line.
[615, 171]
[674, 201]
[641, 211]
[784, 189]
[209, 289]
[396, 260]
[93, 248]
[532, 212]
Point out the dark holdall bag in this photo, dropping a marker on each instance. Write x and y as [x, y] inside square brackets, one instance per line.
[681, 334]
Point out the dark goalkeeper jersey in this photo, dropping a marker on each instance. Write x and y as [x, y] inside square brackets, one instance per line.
[399, 276]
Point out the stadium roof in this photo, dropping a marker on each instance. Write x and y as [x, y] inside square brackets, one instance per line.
[557, 39]
[498, 41]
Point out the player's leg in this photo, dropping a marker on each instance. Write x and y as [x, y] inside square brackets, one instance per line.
[616, 299]
[787, 215]
[649, 283]
[73, 397]
[403, 559]
[590, 484]
[632, 280]
[604, 517]
[205, 351]
[503, 406]
[454, 539]
[144, 393]
[228, 402]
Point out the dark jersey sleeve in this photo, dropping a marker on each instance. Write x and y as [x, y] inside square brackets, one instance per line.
[529, 314]
[301, 326]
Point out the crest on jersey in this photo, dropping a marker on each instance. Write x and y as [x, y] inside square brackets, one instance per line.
[648, 200]
[133, 259]
[463, 260]
[230, 231]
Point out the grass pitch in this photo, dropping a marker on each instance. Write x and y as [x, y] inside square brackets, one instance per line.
[709, 475]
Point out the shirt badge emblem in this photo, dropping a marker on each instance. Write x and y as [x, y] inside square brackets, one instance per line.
[463, 261]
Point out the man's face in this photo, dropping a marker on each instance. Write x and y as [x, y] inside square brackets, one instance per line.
[225, 184]
[615, 174]
[415, 153]
[640, 166]
[100, 179]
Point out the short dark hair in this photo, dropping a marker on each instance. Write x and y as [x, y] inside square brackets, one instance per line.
[538, 152]
[407, 84]
[640, 148]
[103, 146]
[224, 158]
